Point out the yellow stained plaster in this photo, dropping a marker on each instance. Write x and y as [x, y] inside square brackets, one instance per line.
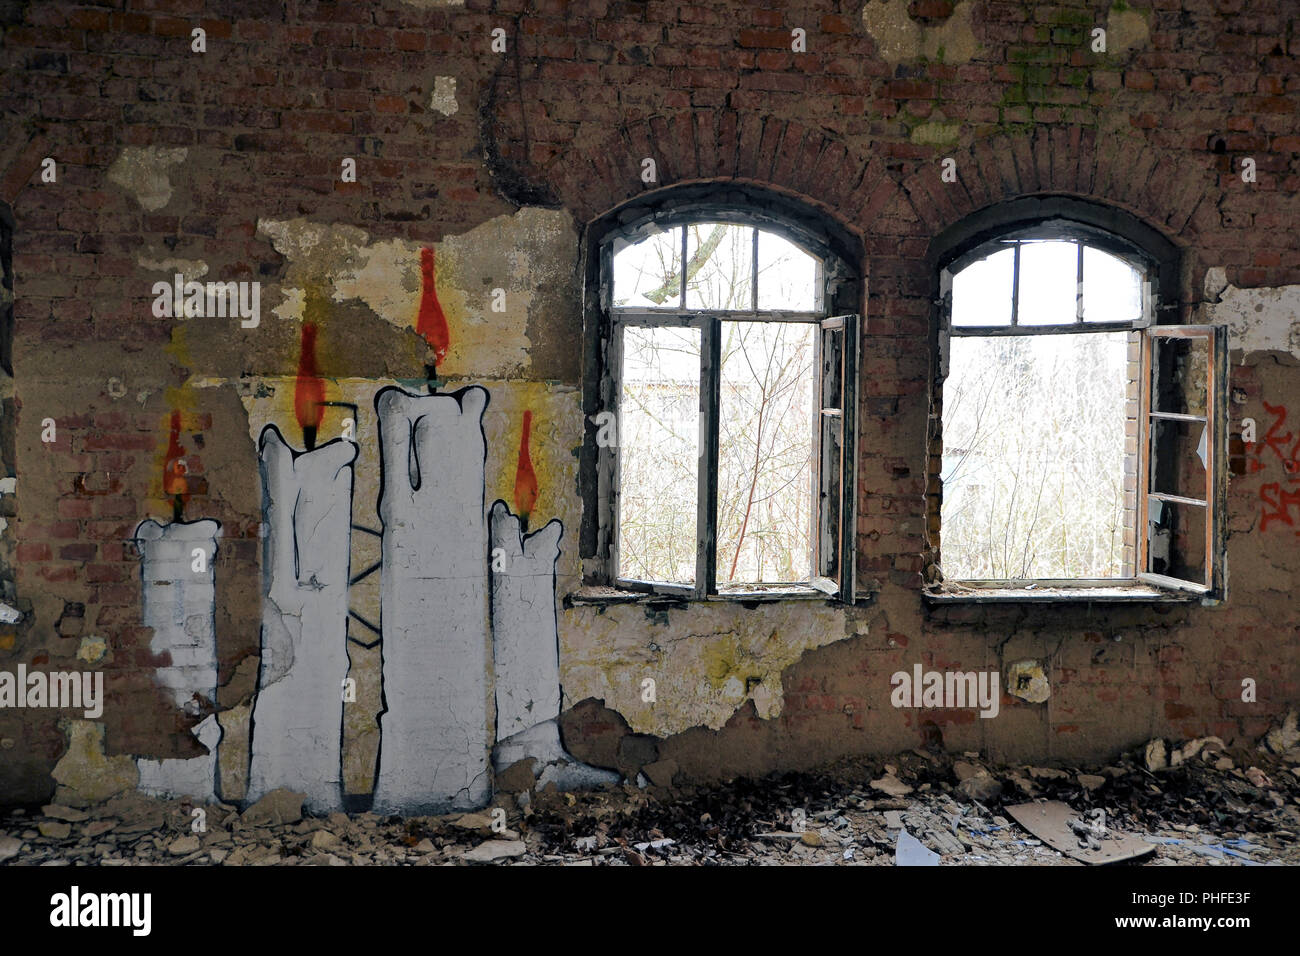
[519, 254]
[706, 660]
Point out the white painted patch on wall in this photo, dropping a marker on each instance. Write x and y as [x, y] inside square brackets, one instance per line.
[1258, 320]
[444, 95]
[142, 171]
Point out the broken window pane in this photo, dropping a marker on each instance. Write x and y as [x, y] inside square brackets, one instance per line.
[765, 452]
[787, 276]
[1048, 283]
[1034, 458]
[659, 432]
[1178, 458]
[1179, 375]
[1176, 546]
[981, 292]
[646, 275]
[1112, 289]
[719, 266]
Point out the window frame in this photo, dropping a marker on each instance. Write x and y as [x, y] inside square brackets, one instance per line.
[836, 286]
[1122, 236]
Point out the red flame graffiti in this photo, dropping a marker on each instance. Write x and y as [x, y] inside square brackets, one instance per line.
[431, 323]
[175, 484]
[525, 477]
[309, 392]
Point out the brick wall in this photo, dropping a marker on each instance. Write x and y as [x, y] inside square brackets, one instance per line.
[585, 91]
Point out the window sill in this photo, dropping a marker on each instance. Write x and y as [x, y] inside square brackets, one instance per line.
[1119, 593]
[595, 594]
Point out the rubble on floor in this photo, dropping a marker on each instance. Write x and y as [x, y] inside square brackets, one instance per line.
[1197, 802]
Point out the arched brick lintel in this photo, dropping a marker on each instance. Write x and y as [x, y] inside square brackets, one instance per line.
[1158, 193]
[784, 156]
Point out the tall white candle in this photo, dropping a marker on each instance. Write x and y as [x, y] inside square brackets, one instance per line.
[180, 605]
[433, 751]
[297, 721]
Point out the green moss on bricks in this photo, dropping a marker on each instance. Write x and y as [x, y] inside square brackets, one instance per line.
[1075, 18]
[936, 134]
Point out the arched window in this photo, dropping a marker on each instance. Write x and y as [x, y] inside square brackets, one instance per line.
[727, 386]
[1081, 441]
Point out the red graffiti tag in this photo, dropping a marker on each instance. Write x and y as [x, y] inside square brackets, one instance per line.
[1281, 502]
[1277, 443]
[1272, 495]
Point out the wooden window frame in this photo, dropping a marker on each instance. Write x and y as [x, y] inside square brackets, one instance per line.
[834, 472]
[1158, 272]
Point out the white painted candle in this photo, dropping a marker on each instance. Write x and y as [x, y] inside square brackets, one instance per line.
[526, 653]
[433, 752]
[525, 646]
[180, 605]
[297, 721]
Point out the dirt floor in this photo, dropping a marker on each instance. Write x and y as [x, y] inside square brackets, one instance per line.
[1199, 803]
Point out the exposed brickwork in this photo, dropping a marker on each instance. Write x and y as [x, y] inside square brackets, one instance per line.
[587, 90]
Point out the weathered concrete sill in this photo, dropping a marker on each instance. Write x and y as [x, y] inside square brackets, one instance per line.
[601, 595]
[1043, 594]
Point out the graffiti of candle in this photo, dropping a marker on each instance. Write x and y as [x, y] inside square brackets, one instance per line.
[179, 593]
[525, 476]
[430, 322]
[433, 602]
[525, 637]
[175, 484]
[309, 390]
[298, 713]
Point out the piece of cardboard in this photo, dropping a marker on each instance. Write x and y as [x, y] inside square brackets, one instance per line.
[1047, 820]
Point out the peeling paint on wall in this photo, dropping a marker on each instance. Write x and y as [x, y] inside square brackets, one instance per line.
[1026, 680]
[195, 777]
[143, 172]
[1126, 29]
[706, 660]
[179, 598]
[898, 37]
[1258, 320]
[443, 98]
[190, 269]
[520, 254]
[84, 773]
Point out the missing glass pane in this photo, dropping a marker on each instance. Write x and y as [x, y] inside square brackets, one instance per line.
[765, 517]
[1034, 457]
[659, 415]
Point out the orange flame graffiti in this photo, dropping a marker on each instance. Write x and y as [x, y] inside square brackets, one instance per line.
[175, 484]
[309, 392]
[525, 477]
[432, 323]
